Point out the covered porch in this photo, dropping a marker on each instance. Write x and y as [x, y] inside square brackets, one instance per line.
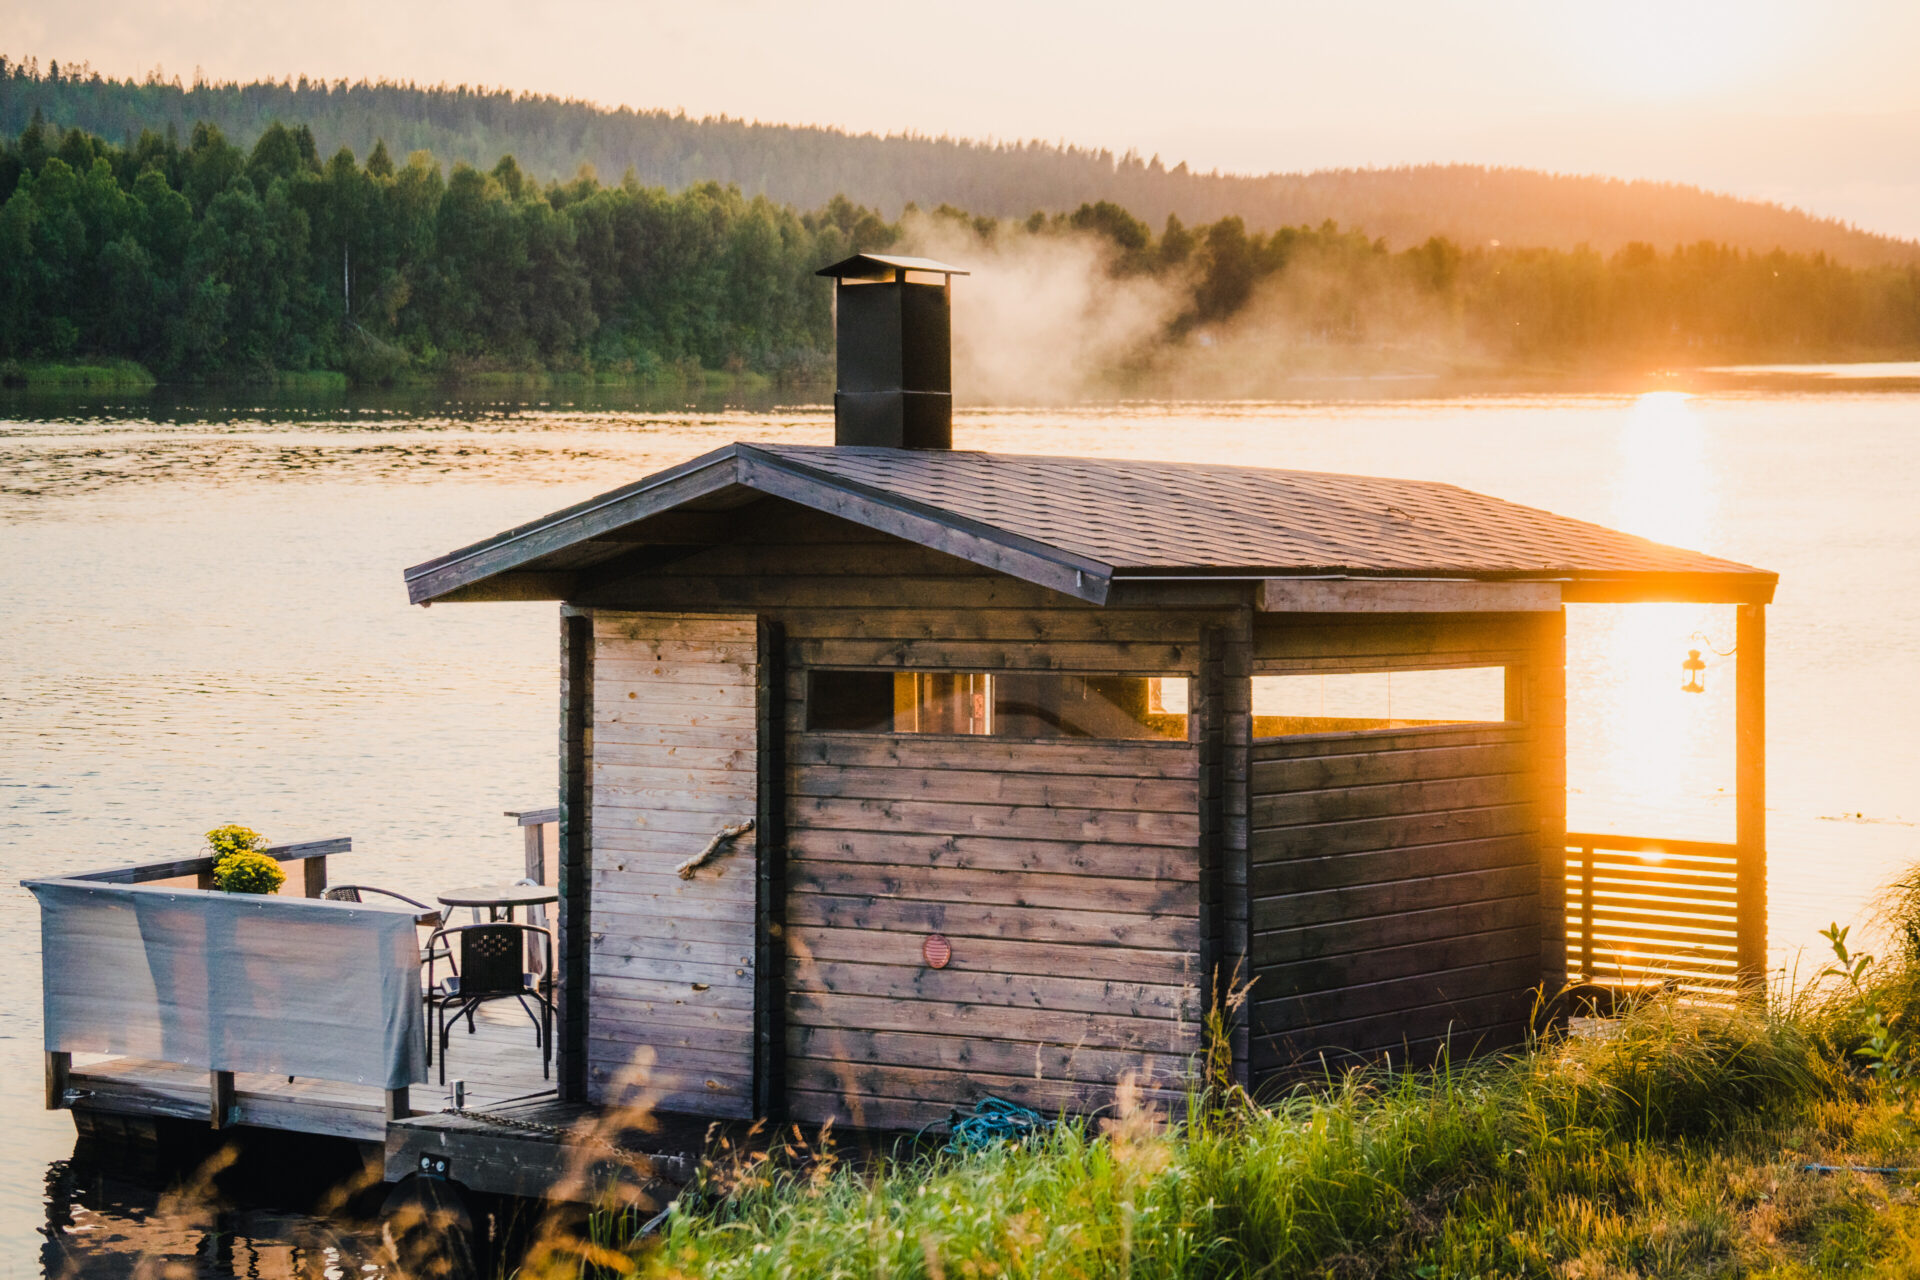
[1686, 915]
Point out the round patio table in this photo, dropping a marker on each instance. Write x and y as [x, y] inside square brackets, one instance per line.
[500, 900]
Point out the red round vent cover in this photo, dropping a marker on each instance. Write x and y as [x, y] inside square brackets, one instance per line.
[937, 950]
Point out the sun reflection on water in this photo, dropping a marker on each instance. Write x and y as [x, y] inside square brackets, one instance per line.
[1639, 749]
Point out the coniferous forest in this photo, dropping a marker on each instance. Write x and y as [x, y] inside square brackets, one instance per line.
[203, 260]
[807, 166]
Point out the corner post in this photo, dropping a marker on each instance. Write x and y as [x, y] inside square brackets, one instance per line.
[1750, 784]
[314, 875]
[1221, 892]
[574, 874]
[770, 875]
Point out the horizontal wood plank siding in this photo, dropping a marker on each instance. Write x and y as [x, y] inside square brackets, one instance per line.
[1395, 878]
[1072, 913]
[671, 991]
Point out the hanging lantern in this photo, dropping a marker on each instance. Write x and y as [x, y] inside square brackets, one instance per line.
[1693, 666]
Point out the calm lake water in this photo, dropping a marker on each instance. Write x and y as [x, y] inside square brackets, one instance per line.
[202, 621]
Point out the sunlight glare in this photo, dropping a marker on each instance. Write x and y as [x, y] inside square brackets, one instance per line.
[1648, 747]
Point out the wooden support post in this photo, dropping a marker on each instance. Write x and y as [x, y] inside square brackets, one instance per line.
[219, 1098]
[316, 875]
[1750, 783]
[59, 1066]
[574, 875]
[770, 875]
[1236, 772]
[1539, 697]
[399, 1104]
[1209, 708]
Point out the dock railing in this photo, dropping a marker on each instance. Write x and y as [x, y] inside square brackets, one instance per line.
[1677, 914]
[540, 829]
[270, 983]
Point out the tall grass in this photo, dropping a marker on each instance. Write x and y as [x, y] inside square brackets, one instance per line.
[1642, 1145]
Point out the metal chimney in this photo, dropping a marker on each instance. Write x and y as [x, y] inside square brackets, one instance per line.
[893, 352]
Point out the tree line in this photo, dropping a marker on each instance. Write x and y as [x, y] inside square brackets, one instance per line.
[204, 260]
[552, 137]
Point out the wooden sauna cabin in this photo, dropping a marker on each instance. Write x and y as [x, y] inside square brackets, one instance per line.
[1041, 759]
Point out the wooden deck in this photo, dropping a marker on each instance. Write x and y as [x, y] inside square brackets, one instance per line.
[498, 1062]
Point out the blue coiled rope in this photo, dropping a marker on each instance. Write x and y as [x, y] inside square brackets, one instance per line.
[994, 1121]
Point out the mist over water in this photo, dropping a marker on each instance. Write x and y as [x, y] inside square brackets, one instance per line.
[202, 620]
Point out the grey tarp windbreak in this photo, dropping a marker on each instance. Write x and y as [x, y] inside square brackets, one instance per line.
[232, 982]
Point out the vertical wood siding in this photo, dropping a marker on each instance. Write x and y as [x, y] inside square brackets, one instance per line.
[1396, 877]
[671, 989]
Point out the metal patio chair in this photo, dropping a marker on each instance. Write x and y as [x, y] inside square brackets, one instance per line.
[491, 967]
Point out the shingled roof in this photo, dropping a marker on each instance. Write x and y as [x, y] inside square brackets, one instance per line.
[1079, 525]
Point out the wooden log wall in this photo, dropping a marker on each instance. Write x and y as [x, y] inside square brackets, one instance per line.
[1064, 873]
[670, 993]
[1404, 886]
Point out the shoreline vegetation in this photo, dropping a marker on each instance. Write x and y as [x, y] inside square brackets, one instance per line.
[1777, 1138]
[204, 264]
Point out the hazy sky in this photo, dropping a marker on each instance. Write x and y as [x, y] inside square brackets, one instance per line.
[1816, 105]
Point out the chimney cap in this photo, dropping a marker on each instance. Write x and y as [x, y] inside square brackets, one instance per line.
[867, 266]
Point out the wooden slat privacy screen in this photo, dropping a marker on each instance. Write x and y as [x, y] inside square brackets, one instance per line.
[1643, 912]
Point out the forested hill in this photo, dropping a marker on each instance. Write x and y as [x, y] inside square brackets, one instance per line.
[552, 137]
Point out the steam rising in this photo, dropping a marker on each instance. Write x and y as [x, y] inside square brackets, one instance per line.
[1045, 319]
[1042, 319]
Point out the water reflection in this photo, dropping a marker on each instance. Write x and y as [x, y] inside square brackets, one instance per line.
[1663, 488]
[282, 1209]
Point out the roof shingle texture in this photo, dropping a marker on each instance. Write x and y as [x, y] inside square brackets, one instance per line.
[1136, 515]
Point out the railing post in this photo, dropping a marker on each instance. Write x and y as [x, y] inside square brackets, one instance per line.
[534, 834]
[1750, 799]
[59, 1066]
[399, 1104]
[315, 870]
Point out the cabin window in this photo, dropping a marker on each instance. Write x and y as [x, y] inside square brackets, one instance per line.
[1006, 704]
[1356, 702]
